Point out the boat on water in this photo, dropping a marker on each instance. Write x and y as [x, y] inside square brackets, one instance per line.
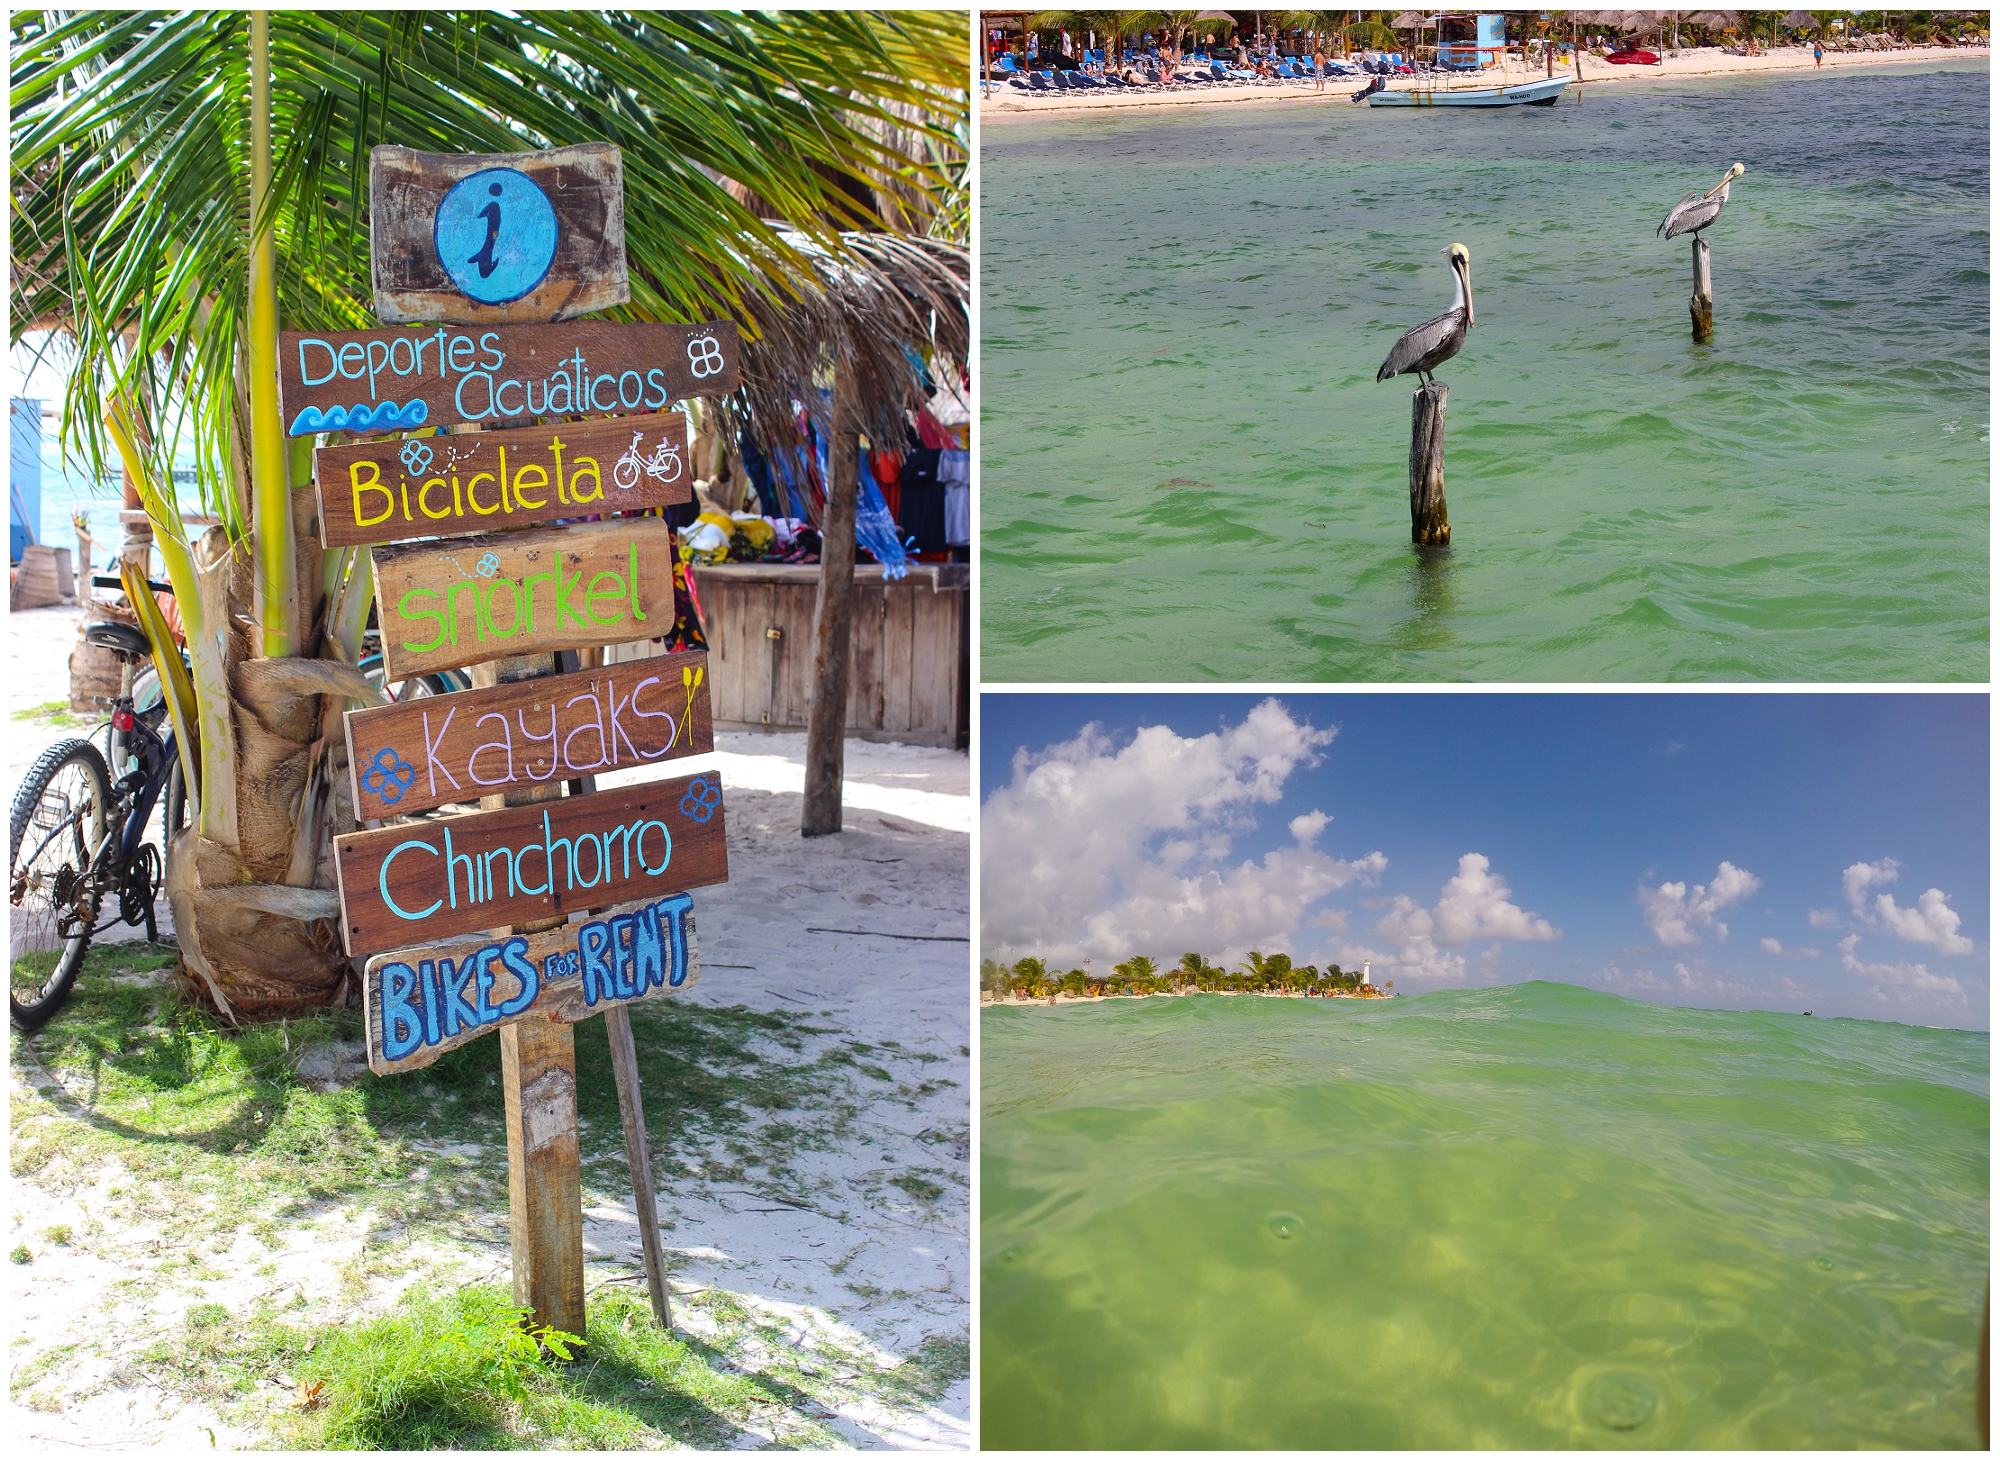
[1539, 93]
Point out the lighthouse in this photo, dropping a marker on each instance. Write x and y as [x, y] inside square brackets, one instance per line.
[1364, 973]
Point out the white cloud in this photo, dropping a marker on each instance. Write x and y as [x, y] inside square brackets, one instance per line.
[1676, 914]
[1901, 975]
[1931, 923]
[1474, 904]
[1096, 850]
[1864, 875]
[1694, 980]
[1823, 917]
[1770, 946]
[1308, 827]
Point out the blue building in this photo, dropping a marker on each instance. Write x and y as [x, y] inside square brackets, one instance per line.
[24, 476]
[1467, 41]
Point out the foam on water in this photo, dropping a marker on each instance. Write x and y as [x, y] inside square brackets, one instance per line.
[1206, 296]
[1529, 1216]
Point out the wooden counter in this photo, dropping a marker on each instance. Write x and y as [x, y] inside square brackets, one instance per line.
[909, 649]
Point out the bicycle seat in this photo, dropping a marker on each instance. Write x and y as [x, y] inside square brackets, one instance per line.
[121, 637]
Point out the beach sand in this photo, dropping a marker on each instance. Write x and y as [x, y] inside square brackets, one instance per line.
[1004, 103]
[798, 928]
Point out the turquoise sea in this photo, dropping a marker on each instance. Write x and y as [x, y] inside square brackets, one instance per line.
[1189, 471]
[1528, 1216]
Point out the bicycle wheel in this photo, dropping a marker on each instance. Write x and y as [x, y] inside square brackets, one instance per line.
[58, 826]
[441, 683]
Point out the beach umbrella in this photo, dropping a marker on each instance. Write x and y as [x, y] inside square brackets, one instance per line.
[1798, 20]
[1408, 20]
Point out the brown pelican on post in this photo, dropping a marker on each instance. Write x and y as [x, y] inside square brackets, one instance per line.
[1697, 210]
[1434, 342]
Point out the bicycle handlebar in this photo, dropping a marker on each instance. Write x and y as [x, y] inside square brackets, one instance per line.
[100, 581]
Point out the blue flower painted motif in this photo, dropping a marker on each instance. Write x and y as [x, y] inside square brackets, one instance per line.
[416, 456]
[702, 799]
[487, 566]
[388, 776]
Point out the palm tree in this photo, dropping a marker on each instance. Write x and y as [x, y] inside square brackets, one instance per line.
[1193, 969]
[186, 184]
[1136, 968]
[1029, 973]
[1114, 24]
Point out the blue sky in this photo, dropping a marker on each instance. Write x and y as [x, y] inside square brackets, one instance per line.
[1777, 851]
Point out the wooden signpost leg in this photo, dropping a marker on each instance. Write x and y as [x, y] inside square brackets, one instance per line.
[625, 1068]
[538, 1072]
[625, 1072]
[544, 1176]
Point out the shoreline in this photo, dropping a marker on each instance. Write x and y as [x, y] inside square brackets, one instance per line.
[1006, 105]
[987, 998]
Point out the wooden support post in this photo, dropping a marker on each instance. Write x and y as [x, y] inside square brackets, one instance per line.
[826, 713]
[1428, 524]
[1702, 306]
[625, 1068]
[544, 1175]
[538, 1077]
[625, 1072]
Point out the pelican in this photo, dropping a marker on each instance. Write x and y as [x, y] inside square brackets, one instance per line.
[1431, 344]
[1697, 210]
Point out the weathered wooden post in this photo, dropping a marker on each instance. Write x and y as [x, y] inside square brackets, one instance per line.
[1429, 526]
[1702, 305]
[506, 246]
[826, 716]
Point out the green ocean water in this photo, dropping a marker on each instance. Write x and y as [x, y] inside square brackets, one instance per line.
[1203, 299]
[1530, 1216]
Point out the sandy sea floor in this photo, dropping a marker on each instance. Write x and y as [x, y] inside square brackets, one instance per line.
[799, 930]
[1003, 103]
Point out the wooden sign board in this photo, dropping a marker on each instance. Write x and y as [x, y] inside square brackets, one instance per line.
[418, 754]
[424, 1001]
[386, 490]
[461, 601]
[397, 380]
[503, 238]
[484, 870]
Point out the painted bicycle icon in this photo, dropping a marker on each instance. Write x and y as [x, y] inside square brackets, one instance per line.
[664, 463]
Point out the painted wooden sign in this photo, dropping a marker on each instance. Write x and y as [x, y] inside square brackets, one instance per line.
[424, 1001]
[460, 601]
[511, 237]
[422, 753]
[399, 379]
[386, 490]
[482, 870]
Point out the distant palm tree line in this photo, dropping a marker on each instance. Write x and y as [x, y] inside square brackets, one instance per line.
[1260, 974]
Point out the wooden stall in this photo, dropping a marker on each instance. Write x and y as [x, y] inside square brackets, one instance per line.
[910, 667]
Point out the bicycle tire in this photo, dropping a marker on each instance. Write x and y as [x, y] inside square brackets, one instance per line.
[443, 682]
[48, 997]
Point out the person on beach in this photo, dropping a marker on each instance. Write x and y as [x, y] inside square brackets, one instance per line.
[1319, 68]
[1817, 53]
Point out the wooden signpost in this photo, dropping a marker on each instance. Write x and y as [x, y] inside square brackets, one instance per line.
[436, 879]
[388, 490]
[572, 904]
[399, 380]
[517, 236]
[418, 754]
[424, 1001]
[457, 601]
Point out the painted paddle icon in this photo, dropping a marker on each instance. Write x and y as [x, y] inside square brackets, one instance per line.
[496, 234]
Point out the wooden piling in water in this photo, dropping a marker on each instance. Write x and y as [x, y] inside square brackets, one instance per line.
[1702, 305]
[1428, 523]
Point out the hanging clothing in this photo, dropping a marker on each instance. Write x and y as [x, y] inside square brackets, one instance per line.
[955, 475]
[889, 477]
[923, 501]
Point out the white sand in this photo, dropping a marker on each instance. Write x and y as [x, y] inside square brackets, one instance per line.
[1004, 103]
[880, 1273]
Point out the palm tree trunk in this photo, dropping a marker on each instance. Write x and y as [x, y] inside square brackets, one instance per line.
[271, 488]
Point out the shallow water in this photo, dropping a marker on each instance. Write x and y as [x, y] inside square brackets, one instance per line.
[1528, 1216]
[1206, 296]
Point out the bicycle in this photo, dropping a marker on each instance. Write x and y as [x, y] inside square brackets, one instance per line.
[665, 463]
[85, 838]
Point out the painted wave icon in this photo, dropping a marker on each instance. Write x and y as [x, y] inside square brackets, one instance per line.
[382, 416]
